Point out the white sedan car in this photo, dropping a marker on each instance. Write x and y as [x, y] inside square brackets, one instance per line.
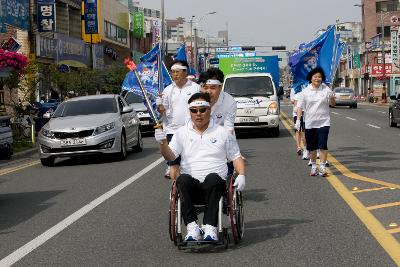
[98, 124]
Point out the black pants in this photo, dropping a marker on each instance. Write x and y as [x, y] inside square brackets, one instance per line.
[193, 192]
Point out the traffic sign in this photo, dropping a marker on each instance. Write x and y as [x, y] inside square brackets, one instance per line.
[214, 61]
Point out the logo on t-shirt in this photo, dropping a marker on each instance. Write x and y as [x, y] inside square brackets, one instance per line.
[219, 115]
[213, 140]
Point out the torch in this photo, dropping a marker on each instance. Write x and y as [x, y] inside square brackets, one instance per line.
[132, 66]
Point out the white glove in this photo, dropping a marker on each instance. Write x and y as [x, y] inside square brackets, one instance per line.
[297, 125]
[160, 135]
[240, 182]
[159, 100]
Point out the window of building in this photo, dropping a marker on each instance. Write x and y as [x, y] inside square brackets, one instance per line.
[158, 14]
[386, 6]
[115, 32]
[386, 30]
[2, 102]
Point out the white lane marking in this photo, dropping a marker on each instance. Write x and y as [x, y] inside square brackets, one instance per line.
[335, 113]
[56, 229]
[351, 118]
[373, 126]
[383, 112]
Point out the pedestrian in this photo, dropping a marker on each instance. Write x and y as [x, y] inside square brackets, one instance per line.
[173, 105]
[223, 105]
[315, 100]
[299, 134]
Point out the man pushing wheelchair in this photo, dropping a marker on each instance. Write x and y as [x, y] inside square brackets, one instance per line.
[205, 148]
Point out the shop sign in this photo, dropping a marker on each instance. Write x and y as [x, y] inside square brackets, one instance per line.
[46, 16]
[15, 13]
[90, 16]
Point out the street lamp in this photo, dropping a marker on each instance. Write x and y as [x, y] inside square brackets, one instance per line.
[194, 55]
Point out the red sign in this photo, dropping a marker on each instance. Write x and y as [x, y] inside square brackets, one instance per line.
[377, 69]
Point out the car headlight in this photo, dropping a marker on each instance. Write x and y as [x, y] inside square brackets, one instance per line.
[47, 133]
[104, 128]
[273, 108]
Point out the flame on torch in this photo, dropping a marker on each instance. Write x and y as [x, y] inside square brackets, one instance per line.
[130, 64]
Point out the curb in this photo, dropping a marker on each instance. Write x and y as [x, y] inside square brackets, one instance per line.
[18, 156]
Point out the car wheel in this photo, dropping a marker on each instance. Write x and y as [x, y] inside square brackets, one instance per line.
[391, 123]
[139, 146]
[48, 162]
[123, 153]
[275, 131]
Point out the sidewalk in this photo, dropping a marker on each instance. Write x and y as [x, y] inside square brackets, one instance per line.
[378, 104]
[20, 156]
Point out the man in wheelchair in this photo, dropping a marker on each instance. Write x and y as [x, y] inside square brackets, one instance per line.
[205, 148]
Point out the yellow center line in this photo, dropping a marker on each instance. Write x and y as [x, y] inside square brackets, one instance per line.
[383, 236]
[394, 231]
[370, 189]
[386, 205]
[17, 168]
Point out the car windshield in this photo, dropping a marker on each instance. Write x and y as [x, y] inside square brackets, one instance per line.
[86, 107]
[344, 90]
[133, 98]
[249, 86]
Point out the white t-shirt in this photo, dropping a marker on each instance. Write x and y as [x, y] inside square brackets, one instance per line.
[293, 97]
[315, 104]
[175, 102]
[224, 111]
[202, 154]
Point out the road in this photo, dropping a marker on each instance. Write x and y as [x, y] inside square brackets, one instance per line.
[95, 211]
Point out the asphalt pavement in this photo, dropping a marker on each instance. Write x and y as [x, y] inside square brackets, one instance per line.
[115, 213]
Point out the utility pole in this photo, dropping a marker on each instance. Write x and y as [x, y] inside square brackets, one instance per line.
[162, 31]
[195, 50]
[191, 40]
[384, 94]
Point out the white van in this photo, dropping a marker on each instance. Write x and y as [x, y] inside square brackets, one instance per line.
[257, 101]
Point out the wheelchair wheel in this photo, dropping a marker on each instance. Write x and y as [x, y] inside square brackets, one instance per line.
[173, 199]
[236, 216]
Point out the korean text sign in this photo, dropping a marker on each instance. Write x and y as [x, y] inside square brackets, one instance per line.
[91, 16]
[46, 16]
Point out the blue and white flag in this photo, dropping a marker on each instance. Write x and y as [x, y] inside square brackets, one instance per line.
[181, 53]
[323, 52]
[152, 55]
[148, 73]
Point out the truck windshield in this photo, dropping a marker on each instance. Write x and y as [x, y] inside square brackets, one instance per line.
[249, 86]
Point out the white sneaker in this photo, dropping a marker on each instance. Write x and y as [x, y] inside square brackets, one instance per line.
[305, 154]
[167, 173]
[193, 232]
[314, 171]
[323, 172]
[210, 233]
[309, 163]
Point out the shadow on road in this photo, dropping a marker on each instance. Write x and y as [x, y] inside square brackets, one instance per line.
[352, 155]
[20, 207]
[100, 159]
[256, 195]
[255, 232]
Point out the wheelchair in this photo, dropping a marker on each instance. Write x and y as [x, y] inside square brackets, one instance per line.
[230, 207]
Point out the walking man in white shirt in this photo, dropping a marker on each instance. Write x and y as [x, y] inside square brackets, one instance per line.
[223, 105]
[299, 134]
[204, 147]
[173, 104]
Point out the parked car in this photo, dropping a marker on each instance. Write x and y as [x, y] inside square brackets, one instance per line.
[146, 122]
[99, 124]
[345, 97]
[394, 111]
[6, 138]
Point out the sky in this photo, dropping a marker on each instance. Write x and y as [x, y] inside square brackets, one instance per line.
[263, 22]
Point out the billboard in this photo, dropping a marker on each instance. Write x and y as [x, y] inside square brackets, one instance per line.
[90, 16]
[267, 64]
[15, 13]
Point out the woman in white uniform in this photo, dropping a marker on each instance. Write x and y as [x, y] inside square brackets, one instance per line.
[315, 100]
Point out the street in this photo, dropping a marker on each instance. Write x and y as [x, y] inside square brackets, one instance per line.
[95, 211]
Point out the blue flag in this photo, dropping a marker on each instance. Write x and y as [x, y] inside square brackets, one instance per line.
[181, 53]
[152, 54]
[322, 51]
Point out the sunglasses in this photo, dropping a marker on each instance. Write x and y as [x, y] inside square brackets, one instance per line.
[196, 110]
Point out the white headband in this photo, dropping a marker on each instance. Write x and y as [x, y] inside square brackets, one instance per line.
[213, 82]
[199, 103]
[178, 67]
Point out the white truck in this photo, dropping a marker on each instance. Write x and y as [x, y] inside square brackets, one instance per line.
[257, 101]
